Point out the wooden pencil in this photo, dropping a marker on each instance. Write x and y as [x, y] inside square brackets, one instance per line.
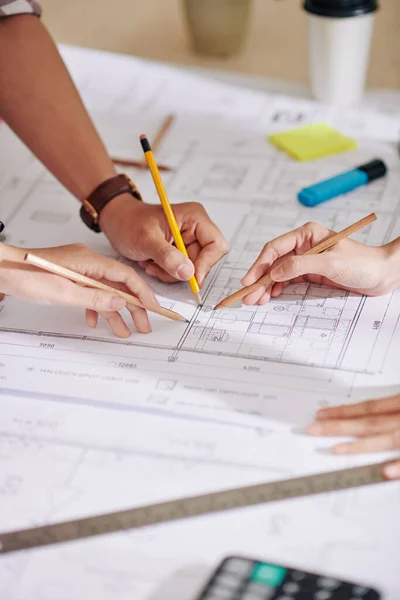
[46, 265]
[321, 247]
[160, 135]
[137, 164]
[168, 211]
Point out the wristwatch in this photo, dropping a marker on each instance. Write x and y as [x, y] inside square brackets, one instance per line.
[102, 195]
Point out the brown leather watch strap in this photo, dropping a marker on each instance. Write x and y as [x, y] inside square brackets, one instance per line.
[102, 195]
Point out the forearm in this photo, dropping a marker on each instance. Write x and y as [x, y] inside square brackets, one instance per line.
[40, 103]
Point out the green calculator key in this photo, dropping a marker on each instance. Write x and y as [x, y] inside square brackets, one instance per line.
[240, 578]
[271, 575]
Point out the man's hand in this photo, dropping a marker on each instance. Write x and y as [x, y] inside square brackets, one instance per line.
[348, 265]
[375, 424]
[26, 282]
[140, 232]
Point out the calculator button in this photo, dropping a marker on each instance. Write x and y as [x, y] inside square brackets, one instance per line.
[359, 591]
[241, 568]
[228, 580]
[267, 574]
[267, 594]
[327, 582]
[214, 595]
[323, 595]
[298, 576]
[259, 591]
[218, 593]
[291, 587]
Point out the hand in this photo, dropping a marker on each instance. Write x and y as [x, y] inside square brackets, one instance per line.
[376, 424]
[29, 283]
[140, 232]
[348, 265]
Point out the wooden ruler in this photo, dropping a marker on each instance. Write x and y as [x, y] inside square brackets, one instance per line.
[193, 506]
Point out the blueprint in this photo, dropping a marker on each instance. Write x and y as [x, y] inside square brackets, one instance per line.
[91, 423]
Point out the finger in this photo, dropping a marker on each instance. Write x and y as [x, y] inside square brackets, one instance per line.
[254, 297]
[123, 277]
[209, 256]
[324, 264]
[169, 258]
[263, 263]
[158, 273]
[140, 318]
[266, 297]
[117, 324]
[213, 245]
[194, 251]
[96, 300]
[368, 407]
[392, 470]
[357, 427]
[92, 318]
[375, 443]
[277, 290]
[300, 238]
[144, 263]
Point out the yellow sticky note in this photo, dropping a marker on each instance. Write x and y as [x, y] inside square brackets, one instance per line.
[312, 141]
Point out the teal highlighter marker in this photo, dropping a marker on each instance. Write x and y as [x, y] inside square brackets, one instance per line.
[342, 183]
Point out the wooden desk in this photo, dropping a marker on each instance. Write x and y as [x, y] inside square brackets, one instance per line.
[276, 45]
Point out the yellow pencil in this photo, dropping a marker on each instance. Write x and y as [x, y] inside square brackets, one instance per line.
[169, 213]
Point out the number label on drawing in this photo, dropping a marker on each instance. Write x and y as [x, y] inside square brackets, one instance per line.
[47, 346]
[376, 325]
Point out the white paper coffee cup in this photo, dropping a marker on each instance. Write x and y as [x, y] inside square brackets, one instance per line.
[340, 34]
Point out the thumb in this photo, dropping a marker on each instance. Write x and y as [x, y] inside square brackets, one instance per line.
[172, 260]
[295, 266]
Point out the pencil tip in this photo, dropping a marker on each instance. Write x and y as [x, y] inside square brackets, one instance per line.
[198, 298]
[142, 137]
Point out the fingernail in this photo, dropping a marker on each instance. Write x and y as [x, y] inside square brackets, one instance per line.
[277, 273]
[314, 429]
[117, 303]
[185, 271]
[392, 471]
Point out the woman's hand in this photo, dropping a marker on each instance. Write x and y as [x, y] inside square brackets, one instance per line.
[29, 283]
[375, 424]
[348, 265]
[140, 232]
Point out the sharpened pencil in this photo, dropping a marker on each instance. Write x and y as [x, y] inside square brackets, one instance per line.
[169, 213]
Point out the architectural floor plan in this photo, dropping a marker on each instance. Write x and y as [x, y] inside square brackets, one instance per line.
[91, 423]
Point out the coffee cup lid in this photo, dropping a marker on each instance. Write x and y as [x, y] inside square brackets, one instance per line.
[340, 8]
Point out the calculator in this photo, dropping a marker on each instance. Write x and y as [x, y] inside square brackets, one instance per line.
[239, 578]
